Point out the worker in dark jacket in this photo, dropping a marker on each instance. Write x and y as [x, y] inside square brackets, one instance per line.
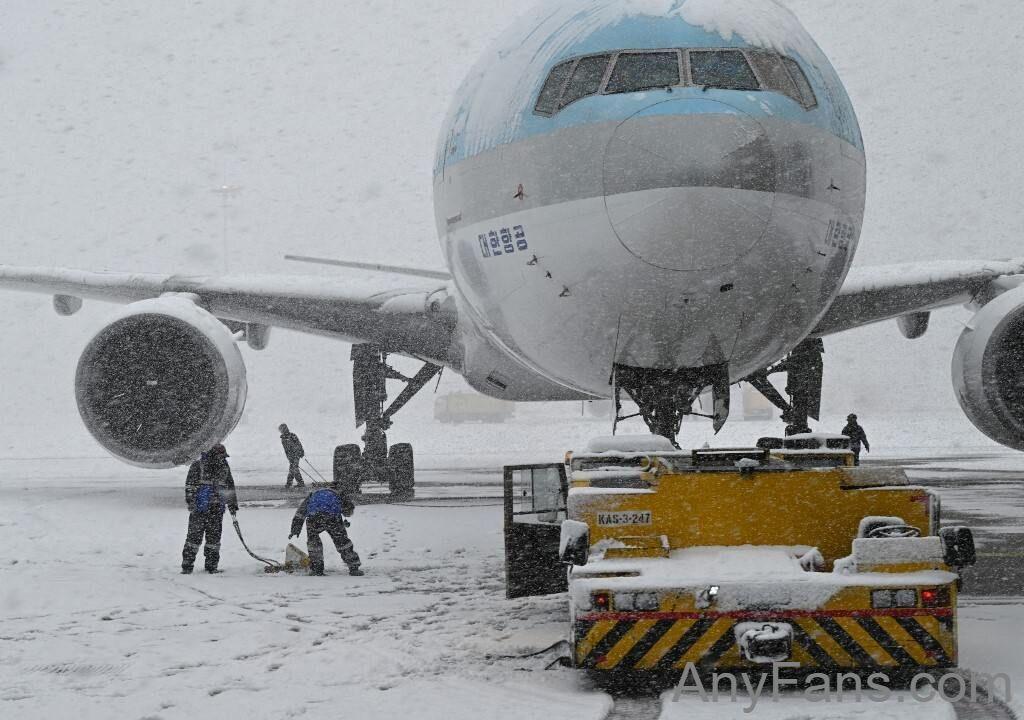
[294, 452]
[857, 437]
[326, 510]
[209, 490]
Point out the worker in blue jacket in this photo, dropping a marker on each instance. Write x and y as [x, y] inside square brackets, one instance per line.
[209, 490]
[326, 510]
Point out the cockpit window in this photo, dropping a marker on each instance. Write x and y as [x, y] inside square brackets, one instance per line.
[726, 69]
[802, 85]
[638, 70]
[547, 103]
[586, 79]
[644, 71]
[774, 75]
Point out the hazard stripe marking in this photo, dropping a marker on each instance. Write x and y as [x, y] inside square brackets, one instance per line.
[723, 645]
[622, 647]
[887, 643]
[610, 640]
[828, 644]
[906, 641]
[692, 635]
[643, 647]
[705, 644]
[860, 657]
[916, 628]
[591, 639]
[937, 628]
[667, 641]
[815, 632]
[818, 655]
[862, 638]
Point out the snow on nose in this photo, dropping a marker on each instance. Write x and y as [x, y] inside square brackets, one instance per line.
[690, 184]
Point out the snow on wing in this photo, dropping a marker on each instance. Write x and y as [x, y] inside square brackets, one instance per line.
[874, 294]
[403, 314]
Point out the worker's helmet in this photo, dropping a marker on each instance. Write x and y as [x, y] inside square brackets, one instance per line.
[851, 416]
[219, 450]
[282, 428]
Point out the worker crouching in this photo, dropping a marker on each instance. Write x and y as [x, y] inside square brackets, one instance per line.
[326, 510]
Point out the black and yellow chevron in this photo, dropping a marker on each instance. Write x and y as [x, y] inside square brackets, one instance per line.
[822, 642]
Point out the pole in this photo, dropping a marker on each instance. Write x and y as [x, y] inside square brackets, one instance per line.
[317, 471]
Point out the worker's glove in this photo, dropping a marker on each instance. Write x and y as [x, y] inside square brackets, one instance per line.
[346, 523]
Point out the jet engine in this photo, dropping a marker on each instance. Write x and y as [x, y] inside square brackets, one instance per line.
[161, 383]
[988, 369]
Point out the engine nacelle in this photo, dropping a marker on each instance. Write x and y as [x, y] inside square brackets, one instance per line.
[161, 383]
[988, 369]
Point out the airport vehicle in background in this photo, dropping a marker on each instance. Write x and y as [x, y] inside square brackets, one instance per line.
[472, 407]
[734, 559]
[633, 200]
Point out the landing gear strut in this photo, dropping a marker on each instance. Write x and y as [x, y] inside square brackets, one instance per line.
[665, 397]
[804, 370]
[377, 462]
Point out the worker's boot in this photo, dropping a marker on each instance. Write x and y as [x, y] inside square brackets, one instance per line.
[212, 560]
[188, 558]
[355, 571]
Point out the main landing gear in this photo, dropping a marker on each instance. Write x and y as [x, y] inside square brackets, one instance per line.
[804, 368]
[665, 397]
[376, 462]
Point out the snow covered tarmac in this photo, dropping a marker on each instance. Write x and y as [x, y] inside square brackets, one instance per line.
[98, 624]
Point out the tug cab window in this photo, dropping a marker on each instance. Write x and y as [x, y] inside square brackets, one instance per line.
[547, 103]
[635, 72]
[586, 79]
[802, 85]
[725, 69]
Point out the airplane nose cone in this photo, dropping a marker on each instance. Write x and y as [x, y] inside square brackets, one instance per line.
[690, 184]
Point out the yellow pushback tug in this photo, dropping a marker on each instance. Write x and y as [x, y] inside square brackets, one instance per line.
[734, 559]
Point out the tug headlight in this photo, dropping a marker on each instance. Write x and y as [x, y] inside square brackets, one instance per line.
[647, 602]
[906, 598]
[886, 599]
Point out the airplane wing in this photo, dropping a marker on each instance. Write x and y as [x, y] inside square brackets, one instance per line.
[874, 294]
[401, 312]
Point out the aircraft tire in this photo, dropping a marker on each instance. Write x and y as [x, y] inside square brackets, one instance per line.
[346, 461]
[400, 461]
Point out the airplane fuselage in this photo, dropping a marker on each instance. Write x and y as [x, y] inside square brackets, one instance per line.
[709, 219]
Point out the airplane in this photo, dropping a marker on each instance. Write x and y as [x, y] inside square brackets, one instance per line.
[639, 199]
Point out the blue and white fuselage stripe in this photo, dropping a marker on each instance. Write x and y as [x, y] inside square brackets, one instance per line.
[473, 127]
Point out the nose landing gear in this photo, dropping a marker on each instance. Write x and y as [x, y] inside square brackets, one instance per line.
[665, 397]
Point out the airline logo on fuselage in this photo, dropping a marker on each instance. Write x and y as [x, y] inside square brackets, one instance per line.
[505, 241]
